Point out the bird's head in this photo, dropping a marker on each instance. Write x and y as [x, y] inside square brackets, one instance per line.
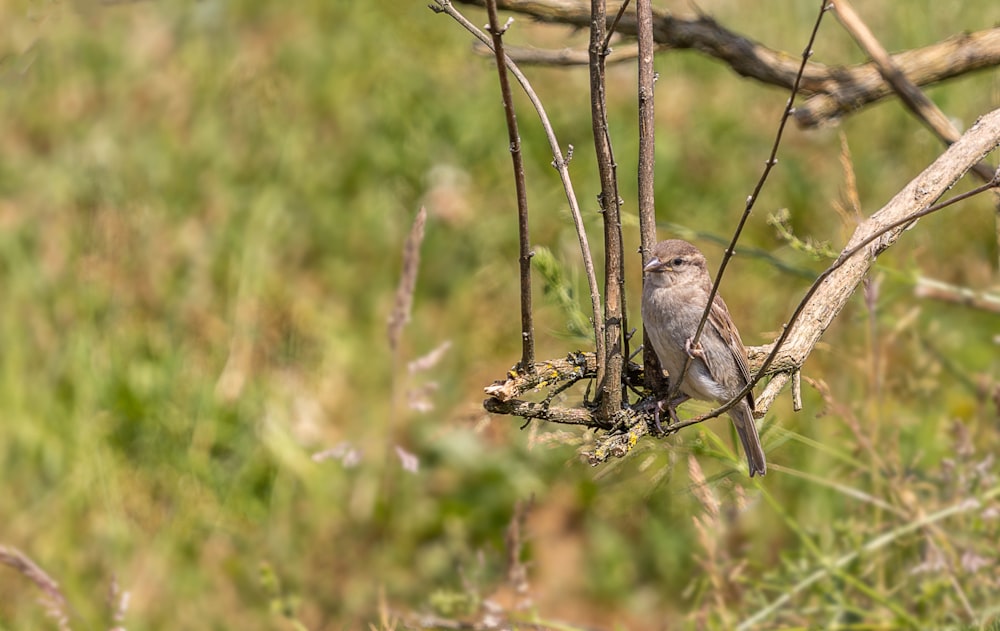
[674, 261]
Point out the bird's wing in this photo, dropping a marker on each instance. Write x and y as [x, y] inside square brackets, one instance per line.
[722, 322]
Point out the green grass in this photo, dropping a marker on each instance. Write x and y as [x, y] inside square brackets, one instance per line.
[202, 211]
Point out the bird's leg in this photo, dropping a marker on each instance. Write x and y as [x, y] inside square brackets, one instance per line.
[671, 408]
[656, 418]
[693, 351]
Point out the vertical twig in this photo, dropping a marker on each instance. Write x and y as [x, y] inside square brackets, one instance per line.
[559, 161]
[524, 256]
[752, 198]
[609, 381]
[647, 142]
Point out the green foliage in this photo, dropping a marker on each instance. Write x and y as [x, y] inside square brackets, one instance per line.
[819, 251]
[561, 292]
[202, 210]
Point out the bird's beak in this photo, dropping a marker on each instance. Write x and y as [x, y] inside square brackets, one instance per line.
[653, 264]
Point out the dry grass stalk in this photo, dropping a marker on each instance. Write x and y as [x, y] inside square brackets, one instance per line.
[52, 598]
[408, 282]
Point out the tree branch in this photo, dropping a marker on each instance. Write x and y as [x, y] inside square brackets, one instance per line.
[936, 290]
[647, 145]
[524, 245]
[834, 91]
[911, 96]
[609, 373]
[531, 55]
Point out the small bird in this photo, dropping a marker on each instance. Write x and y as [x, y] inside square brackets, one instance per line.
[674, 294]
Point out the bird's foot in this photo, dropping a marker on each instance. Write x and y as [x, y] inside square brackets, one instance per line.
[693, 350]
[656, 418]
[670, 406]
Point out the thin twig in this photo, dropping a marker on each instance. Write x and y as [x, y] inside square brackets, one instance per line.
[613, 27]
[524, 255]
[532, 56]
[609, 379]
[559, 161]
[937, 290]
[647, 144]
[752, 199]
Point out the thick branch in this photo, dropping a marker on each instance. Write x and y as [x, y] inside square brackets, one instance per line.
[981, 139]
[911, 95]
[574, 367]
[578, 366]
[543, 412]
[834, 91]
[854, 87]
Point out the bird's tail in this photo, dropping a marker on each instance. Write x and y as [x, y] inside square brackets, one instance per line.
[745, 427]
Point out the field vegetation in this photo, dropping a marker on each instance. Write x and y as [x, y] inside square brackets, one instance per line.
[203, 207]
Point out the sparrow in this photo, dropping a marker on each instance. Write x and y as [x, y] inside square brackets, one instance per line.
[676, 286]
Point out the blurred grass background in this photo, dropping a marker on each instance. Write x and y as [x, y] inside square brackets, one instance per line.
[202, 211]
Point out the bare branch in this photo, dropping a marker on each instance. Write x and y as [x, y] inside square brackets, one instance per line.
[530, 55]
[574, 367]
[609, 368]
[852, 88]
[606, 47]
[834, 91]
[647, 145]
[772, 390]
[912, 97]
[524, 256]
[835, 285]
[533, 410]
[936, 290]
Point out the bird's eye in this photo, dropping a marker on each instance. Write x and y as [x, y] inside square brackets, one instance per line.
[677, 261]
